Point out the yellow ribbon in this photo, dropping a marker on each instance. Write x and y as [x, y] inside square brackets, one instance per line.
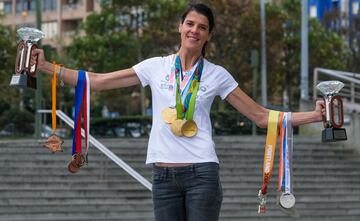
[272, 132]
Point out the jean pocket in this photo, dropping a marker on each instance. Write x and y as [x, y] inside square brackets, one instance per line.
[210, 175]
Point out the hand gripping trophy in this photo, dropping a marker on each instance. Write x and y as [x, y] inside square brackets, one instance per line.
[334, 119]
[25, 70]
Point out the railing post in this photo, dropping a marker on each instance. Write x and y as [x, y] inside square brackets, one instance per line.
[352, 92]
[315, 79]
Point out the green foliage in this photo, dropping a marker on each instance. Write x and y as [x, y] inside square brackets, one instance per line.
[21, 120]
[8, 95]
[116, 38]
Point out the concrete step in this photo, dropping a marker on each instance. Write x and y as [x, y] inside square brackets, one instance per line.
[35, 184]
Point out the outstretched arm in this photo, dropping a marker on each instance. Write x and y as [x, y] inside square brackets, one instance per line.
[258, 114]
[98, 82]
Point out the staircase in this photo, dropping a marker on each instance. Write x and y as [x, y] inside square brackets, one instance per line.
[35, 184]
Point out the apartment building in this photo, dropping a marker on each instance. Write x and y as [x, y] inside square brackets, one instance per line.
[60, 18]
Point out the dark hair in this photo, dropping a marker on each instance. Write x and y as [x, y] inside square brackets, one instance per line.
[204, 10]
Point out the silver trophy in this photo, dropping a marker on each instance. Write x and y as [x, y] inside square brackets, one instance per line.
[334, 119]
[25, 69]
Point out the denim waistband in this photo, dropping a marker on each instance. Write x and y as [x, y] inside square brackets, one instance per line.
[189, 168]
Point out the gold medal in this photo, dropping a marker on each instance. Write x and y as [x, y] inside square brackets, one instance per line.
[189, 128]
[53, 143]
[169, 115]
[176, 127]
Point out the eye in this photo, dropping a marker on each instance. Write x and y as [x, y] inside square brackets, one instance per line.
[203, 28]
[189, 23]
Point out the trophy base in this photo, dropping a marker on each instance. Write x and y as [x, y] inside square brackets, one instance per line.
[333, 134]
[23, 81]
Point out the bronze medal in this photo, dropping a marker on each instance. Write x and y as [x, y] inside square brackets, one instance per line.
[169, 115]
[189, 128]
[53, 143]
[77, 161]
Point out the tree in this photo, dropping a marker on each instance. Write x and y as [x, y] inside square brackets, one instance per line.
[122, 34]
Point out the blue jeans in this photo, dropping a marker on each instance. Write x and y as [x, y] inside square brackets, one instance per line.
[189, 193]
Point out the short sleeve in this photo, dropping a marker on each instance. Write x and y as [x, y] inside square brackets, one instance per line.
[226, 83]
[145, 68]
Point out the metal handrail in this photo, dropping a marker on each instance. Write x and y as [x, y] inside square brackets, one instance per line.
[351, 81]
[103, 149]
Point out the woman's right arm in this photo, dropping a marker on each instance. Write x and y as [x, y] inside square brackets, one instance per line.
[98, 82]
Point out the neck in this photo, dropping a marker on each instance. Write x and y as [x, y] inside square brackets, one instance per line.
[188, 58]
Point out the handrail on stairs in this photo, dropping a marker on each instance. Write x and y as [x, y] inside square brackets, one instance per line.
[103, 149]
[351, 91]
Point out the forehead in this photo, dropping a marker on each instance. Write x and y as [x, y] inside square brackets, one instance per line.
[197, 17]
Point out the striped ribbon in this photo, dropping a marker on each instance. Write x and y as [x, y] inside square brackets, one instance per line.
[82, 106]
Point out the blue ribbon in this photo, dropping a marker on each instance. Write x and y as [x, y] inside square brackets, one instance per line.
[79, 94]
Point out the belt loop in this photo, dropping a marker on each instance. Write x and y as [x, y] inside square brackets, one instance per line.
[193, 166]
[166, 172]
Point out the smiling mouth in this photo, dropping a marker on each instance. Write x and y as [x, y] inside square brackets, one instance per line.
[192, 38]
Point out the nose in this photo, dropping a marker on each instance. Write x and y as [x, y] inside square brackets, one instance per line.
[194, 29]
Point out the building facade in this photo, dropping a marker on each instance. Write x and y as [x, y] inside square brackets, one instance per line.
[60, 18]
[345, 15]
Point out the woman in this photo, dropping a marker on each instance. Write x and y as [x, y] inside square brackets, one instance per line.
[186, 182]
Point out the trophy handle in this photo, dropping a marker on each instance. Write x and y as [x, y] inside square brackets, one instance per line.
[32, 67]
[20, 58]
[324, 118]
[340, 112]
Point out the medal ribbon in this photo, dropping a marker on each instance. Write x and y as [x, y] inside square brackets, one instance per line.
[82, 106]
[185, 109]
[289, 155]
[53, 97]
[286, 153]
[272, 132]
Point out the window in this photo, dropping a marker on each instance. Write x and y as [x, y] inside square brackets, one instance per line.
[25, 5]
[355, 8]
[50, 29]
[7, 7]
[313, 11]
[49, 5]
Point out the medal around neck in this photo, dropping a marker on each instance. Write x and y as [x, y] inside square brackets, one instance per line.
[186, 128]
[169, 115]
[181, 118]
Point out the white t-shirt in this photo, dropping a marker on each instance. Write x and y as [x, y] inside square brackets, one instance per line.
[164, 146]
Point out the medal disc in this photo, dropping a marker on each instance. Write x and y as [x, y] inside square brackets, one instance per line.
[53, 143]
[189, 128]
[176, 127]
[169, 115]
[287, 200]
[72, 168]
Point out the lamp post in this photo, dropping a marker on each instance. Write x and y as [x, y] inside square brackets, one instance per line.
[263, 54]
[38, 92]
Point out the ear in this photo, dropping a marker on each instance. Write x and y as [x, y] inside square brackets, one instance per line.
[180, 27]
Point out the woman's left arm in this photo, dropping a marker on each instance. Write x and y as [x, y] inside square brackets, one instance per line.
[258, 114]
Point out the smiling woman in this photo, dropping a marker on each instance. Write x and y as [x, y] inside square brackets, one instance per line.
[186, 184]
